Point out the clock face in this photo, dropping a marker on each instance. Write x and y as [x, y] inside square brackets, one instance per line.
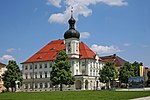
[69, 47]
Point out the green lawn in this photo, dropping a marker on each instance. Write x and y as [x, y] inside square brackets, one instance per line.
[74, 95]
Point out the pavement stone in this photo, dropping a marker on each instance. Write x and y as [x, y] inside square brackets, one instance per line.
[143, 98]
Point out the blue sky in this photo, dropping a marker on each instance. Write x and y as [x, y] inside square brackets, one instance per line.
[106, 26]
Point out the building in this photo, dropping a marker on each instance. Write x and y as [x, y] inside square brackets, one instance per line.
[118, 61]
[85, 64]
[2, 70]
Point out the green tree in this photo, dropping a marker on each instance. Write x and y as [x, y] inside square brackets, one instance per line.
[136, 67]
[148, 75]
[126, 72]
[11, 75]
[61, 73]
[108, 73]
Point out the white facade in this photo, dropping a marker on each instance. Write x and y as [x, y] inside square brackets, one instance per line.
[2, 70]
[37, 76]
[85, 71]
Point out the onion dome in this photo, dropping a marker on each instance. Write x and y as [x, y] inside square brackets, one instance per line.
[71, 32]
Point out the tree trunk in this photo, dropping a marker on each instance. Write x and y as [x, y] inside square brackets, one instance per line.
[126, 85]
[60, 86]
[12, 90]
[7, 89]
[108, 85]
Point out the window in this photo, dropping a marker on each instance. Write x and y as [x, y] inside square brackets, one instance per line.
[91, 72]
[40, 66]
[50, 65]
[40, 74]
[45, 65]
[45, 74]
[90, 64]
[30, 67]
[35, 74]
[26, 86]
[76, 71]
[77, 47]
[76, 64]
[83, 63]
[36, 66]
[46, 85]
[26, 67]
[69, 47]
[36, 85]
[26, 76]
[41, 85]
[31, 75]
[96, 72]
[96, 65]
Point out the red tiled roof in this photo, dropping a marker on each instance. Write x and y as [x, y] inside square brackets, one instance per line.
[48, 52]
[113, 58]
[85, 51]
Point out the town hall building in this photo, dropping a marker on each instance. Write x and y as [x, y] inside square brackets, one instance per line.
[85, 64]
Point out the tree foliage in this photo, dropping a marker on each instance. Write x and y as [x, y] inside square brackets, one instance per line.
[61, 73]
[136, 67]
[126, 72]
[108, 73]
[148, 75]
[11, 75]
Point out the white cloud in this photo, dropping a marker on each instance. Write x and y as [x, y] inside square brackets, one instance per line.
[84, 35]
[80, 8]
[56, 3]
[11, 50]
[114, 2]
[126, 44]
[6, 58]
[104, 49]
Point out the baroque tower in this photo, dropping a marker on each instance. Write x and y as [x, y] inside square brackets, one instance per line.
[72, 39]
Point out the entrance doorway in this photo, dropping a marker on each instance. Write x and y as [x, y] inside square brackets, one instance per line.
[78, 85]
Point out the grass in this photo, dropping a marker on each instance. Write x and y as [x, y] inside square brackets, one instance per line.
[75, 95]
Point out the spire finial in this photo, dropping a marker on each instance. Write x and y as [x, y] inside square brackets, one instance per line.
[71, 11]
[71, 20]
